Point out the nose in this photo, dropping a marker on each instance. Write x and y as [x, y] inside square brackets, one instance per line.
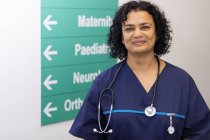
[137, 33]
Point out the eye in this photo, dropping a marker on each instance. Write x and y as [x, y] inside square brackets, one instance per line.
[128, 29]
[145, 28]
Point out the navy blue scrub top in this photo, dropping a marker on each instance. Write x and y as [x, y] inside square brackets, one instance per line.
[176, 93]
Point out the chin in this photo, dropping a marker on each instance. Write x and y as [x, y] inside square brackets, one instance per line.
[142, 50]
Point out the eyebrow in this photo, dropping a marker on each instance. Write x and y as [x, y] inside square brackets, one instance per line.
[142, 24]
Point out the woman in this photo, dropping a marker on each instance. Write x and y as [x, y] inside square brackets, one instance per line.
[142, 97]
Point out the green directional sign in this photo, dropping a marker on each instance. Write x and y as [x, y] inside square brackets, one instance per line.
[73, 53]
[75, 22]
[69, 51]
[59, 80]
[61, 107]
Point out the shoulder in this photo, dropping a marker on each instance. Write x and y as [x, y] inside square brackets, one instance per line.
[102, 81]
[107, 76]
[177, 71]
[179, 75]
[110, 71]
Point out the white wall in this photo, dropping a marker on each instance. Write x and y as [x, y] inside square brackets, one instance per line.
[20, 63]
[20, 75]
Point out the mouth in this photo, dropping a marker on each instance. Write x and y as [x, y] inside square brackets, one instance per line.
[138, 42]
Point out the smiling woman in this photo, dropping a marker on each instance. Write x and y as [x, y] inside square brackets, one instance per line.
[139, 33]
[143, 96]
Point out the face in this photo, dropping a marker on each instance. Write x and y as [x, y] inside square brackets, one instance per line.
[139, 34]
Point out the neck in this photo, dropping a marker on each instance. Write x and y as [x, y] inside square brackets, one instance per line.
[142, 63]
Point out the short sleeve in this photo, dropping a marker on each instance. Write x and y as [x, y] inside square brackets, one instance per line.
[197, 124]
[87, 119]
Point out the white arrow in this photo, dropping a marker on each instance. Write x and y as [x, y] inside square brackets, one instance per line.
[49, 82]
[47, 22]
[47, 109]
[47, 53]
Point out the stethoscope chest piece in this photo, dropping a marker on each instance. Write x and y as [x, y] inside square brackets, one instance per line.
[171, 129]
[150, 111]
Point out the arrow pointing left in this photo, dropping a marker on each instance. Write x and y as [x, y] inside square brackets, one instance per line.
[48, 82]
[48, 109]
[47, 22]
[49, 52]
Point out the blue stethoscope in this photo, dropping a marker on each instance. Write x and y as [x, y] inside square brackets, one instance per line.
[149, 111]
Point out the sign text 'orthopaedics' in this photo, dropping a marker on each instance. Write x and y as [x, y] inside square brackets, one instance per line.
[70, 105]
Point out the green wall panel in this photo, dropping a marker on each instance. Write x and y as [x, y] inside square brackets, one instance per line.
[73, 53]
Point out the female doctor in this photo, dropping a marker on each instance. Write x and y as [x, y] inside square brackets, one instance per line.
[142, 97]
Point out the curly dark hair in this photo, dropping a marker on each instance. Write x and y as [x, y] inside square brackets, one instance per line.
[162, 26]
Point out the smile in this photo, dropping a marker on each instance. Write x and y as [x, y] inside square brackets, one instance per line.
[138, 42]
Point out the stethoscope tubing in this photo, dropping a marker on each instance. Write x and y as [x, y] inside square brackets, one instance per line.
[111, 106]
[112, 98]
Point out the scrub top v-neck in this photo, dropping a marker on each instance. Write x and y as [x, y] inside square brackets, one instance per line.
[176, 93]
[134, 77]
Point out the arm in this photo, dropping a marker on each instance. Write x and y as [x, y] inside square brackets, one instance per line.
[197, 124]
[87, 119]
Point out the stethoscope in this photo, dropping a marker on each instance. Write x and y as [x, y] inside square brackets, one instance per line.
[149, 111]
